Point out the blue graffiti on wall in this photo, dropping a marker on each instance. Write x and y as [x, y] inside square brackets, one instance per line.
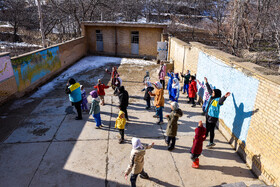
[238, 108]
[30, 68]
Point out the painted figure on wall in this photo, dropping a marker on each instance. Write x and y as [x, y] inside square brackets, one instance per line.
[6, 70]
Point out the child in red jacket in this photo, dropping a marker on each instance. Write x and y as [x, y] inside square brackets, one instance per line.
[100, 90]
[192, 90]
[197, 144]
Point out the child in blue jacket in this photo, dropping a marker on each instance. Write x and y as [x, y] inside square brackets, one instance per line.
[212, 111]
[175, 90]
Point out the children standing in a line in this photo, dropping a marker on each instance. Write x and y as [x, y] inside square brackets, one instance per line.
[197, 144]
[100, 90]
[192, 90]
[171, 129]
[148, 88]
[212, 111]
[95, 109]
[186, 82]
[158, 102]
[136, 165]
[175, 90]
[84, 99]
[120, 124]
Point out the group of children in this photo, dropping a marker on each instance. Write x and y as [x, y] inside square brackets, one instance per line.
[212, 102]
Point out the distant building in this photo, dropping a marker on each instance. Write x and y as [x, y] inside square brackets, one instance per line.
[123, 38]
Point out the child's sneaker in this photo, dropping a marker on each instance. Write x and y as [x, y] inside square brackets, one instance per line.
[155, 116]
[210, 145]
[98, 127]
[144, 176]
[160, 123]
[195, 163]
[121, 141]
[170, 148]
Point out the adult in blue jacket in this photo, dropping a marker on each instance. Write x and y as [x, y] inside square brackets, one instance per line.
[212, 111]
[75, 96]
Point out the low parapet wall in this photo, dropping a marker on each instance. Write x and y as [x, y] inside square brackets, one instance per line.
[22, 74]
[249, 118]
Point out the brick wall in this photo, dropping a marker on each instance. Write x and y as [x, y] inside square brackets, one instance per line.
[33, 69]
[7, 79]
[148, 38]
[250, 118]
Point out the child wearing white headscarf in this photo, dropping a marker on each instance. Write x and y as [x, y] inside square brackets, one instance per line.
[175, 90]
[136, 165]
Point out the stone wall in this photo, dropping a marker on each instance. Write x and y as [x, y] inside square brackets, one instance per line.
[30, 70]
[249, 118]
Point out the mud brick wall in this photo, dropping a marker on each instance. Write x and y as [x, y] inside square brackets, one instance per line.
[249, 118]
[117, 40]
[24, 73]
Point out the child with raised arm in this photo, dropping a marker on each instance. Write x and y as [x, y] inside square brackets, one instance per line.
[186, 81]
[206, 94]
[136, 165]
[171, 129]
[212, 111]
[100, 90]
[197, 144]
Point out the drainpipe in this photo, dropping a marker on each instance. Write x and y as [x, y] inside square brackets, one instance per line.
[116, 42]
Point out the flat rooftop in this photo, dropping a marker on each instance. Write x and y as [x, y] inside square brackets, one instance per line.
[124, 24]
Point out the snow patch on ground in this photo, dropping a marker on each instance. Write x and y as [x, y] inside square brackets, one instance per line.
[84, 65]
[139, 62]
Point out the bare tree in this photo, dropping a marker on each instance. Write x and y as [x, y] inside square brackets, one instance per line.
[15, 13]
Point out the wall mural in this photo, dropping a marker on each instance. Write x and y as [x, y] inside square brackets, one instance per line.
[6, 70]
[238, 108]
[30, 68]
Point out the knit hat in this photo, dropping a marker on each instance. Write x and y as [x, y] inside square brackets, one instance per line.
[158, 85]
[175, 105]
[93, 94]
[136, 143]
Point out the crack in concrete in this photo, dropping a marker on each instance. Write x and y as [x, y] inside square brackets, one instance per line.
[108, 143]
[177, 170]
[46, 151]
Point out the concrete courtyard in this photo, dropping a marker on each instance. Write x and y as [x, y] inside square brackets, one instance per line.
[47, 147]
